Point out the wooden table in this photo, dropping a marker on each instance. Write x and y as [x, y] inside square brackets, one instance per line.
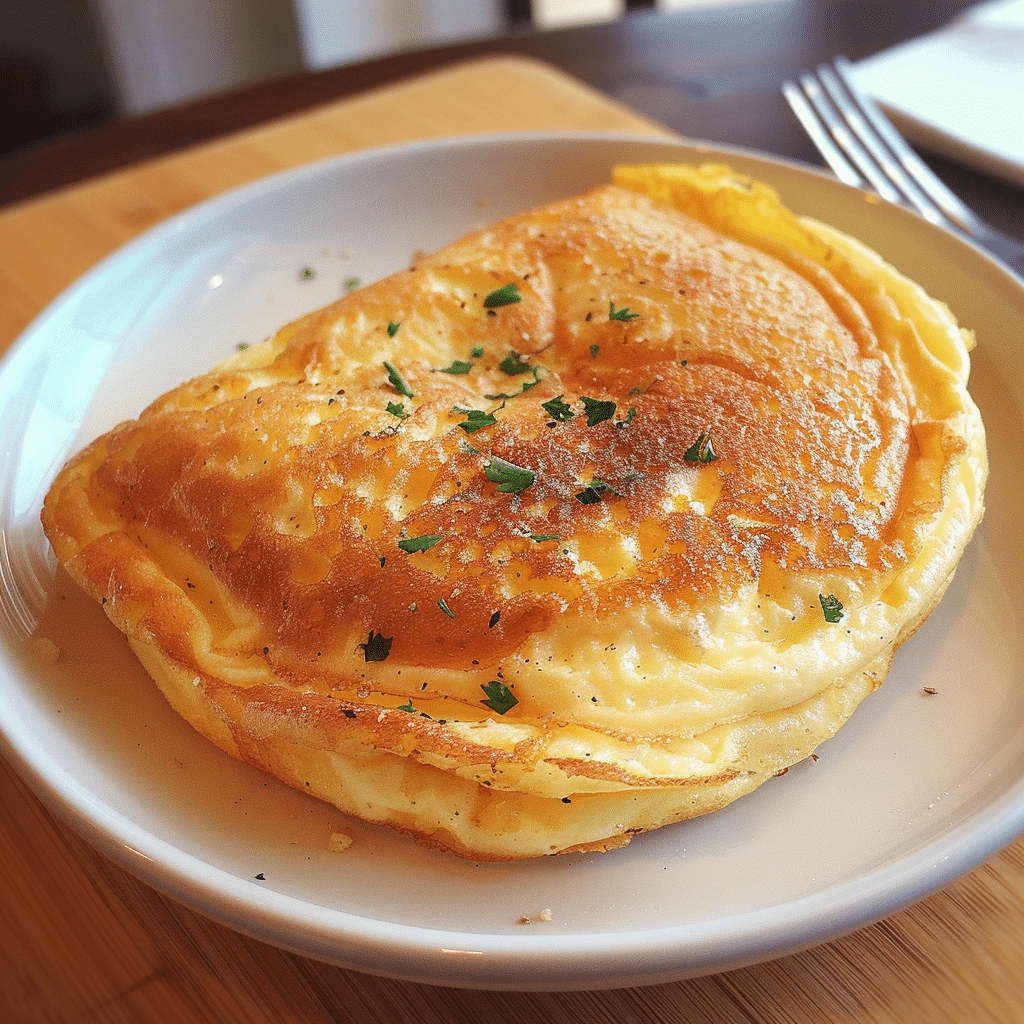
[82, 941]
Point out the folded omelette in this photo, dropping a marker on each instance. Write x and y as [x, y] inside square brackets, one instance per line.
[590, 522]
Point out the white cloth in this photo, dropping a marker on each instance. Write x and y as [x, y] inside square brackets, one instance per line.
[960, 91]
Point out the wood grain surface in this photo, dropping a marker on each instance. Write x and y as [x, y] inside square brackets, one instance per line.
[82, 941]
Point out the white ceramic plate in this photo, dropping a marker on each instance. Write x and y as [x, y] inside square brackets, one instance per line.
[917, 789]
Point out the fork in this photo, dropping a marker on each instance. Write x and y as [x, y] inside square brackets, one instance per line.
[864, 149]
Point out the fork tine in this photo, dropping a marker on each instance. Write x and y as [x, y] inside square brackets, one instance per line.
[882, 143]
[923, 187]
[846, 130]
[863, 148]
[877, 154]
[819, 134]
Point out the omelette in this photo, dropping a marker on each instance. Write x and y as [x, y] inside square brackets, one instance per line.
[590, 522]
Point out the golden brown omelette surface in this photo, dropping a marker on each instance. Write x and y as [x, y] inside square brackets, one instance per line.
[589, 522]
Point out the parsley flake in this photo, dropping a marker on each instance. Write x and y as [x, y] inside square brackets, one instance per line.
[589, 495]
[397, 381]
[476, 419]
[510, 478]
[539, 538]
[424, 543]
[597, 410]
[443, 605]
[307, 274]
[831, 607]
[397, 409]
[503, 296]
[393, 326]
[623, 314]
[702, 450]
[377, 646]
[478, 351]
[407, 707]
[499, 697]
[558, 409]
[513, 365]
[594, 349]
[630, 413]
[458, 366]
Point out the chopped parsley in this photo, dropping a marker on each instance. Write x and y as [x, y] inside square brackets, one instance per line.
[594, 349]
[831, 607]
[702, 450]
[510, 478]
[443, 605]
[397, 381]
[503, 296]
[377, 646]
[630, 413]
[458, 366]
[478, 351]
[623, 314]
[407, 707]
[476, 419]
[424, 543]
[558, 409]
[513, 365]
[397, 409]
[351, 283]
[393, 326]
[499, 697]
[539, 538]
[589, 495]
[597, 410]
[307, 274]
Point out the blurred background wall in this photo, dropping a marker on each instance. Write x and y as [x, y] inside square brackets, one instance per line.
[53, 74]
[68, 64]
[334, 32]
[164, 51]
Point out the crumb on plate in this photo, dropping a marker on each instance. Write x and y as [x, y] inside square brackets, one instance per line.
[339, 842]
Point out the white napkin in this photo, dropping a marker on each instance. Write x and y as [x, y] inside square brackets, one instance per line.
[960, 91]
